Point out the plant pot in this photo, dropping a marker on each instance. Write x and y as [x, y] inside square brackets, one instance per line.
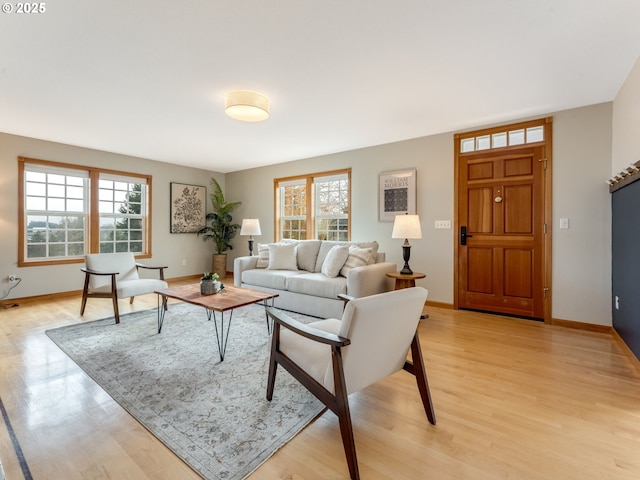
[219, 264]
[208, 287]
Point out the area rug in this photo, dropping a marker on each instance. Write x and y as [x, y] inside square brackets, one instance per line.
[212, 414]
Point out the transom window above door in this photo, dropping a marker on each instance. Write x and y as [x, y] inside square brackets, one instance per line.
[501, 139]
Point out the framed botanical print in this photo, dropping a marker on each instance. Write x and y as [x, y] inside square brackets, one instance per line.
[397, 194]
[187, 208]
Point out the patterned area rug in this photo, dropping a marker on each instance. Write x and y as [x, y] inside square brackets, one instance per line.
[212, 414]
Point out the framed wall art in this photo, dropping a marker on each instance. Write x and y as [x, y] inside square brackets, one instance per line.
[188, 208]
[397, 194]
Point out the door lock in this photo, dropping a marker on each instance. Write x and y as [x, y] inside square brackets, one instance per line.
[464, 235]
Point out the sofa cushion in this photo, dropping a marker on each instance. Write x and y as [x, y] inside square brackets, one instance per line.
[373, 245]
[322, 253]
[317, 284]
[276, 279]
[263, 252]
[358, 257]
[263, 255]
[328, 244]
[334, 260]
[282, 256]
[307, 254]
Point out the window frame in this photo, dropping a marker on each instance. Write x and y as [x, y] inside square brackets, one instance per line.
[92, 242]
[311, 216]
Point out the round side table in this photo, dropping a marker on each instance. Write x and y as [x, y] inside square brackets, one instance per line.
[407, 280]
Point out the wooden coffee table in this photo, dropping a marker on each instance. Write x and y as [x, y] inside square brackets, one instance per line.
[225, 301]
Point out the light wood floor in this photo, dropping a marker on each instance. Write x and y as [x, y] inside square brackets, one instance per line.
[514, 399]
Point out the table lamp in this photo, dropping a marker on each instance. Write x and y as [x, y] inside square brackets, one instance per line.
[250, 226]
[406, 226]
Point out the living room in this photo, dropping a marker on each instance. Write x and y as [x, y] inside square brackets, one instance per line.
[581, 289]
[591, 143]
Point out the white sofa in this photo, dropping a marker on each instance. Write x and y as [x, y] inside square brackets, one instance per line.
[308, 275]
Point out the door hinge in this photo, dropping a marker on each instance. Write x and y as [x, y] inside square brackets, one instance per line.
[545, 290]
[544, 162]
[545, 228]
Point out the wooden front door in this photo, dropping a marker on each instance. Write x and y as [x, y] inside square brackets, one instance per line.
[502, 245]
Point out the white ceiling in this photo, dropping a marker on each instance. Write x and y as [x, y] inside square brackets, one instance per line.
[148, 77]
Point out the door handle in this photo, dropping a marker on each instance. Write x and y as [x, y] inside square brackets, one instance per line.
[464, 235]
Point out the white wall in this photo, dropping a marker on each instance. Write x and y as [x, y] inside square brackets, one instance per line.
[431, 156]
[581, 255]
[168, 249]
[626, 122]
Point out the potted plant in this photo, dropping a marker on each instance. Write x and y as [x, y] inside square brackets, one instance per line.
[221, 229]
[209, 284]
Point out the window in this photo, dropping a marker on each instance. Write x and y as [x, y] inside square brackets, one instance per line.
[68, 211]
[293, 211]
[314, 206]
[55, 212]
[532, 133]
[122, 215]
[332, 207]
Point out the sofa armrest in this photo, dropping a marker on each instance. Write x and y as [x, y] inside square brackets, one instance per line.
[370, 279]
[240, 264]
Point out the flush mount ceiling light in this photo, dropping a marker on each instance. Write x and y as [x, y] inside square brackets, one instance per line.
[246, 106]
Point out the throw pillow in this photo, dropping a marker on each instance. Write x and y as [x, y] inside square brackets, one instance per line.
[373, 245]
[282, 256]
[335, 260]
[263, 255]
[263, 252]
[358, 257]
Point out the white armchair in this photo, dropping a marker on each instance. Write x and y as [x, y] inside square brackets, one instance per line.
[333, 358]
[115, 275]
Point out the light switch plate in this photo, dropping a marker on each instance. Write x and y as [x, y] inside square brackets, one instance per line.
[443, 224]
[564, 223]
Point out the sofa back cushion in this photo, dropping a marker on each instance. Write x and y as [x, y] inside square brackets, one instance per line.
[307, 254]
[310, 254]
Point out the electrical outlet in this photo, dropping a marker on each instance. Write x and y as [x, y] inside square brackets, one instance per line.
[13, 278]
[184, 262]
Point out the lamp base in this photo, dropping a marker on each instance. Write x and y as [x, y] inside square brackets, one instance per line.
[406, 270]
[406, 253]
[251, 247]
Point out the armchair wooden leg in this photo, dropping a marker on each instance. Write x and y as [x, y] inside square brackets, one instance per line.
[348, 441]
[85, 292]
[273, 365]
[421, 378]
[84, 303]
[344, 414]
[131, 300]
[115, 308]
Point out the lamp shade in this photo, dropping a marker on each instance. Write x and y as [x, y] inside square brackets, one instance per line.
[246, 106]
[250, 226]
[406, 226]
